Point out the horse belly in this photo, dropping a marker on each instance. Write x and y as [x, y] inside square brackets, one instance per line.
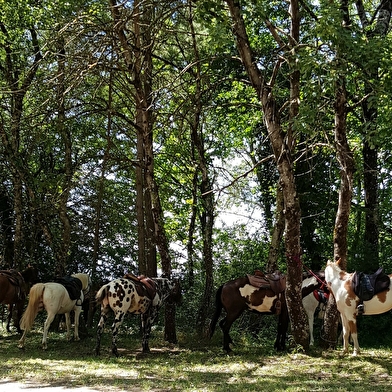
[380, 303]
[257, 299]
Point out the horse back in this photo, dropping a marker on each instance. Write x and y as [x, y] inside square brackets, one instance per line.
[122, 295]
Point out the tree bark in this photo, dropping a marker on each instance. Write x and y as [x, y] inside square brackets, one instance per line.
[137, 50]
[282, 146]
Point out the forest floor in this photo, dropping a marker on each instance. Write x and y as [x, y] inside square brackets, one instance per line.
[192, 365]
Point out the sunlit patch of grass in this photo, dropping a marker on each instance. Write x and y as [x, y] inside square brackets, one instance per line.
[191, 365]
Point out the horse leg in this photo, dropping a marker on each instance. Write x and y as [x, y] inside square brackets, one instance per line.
[78, 310]
[346, 333]
[101, 325]
[311, 322]
[226, 324]
[21, 343]
[68, 324]
[47, 323]
[119, 317]
[148, 319]
[283, 324]
[9, 318]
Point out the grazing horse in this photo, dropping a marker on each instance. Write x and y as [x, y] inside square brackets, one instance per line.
[340, 284]
[239, 295]
[135, 295]
[56, 298]
[14, 287]
[314, 296]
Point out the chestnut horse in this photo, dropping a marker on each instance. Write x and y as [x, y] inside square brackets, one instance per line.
[239, 295]
[14, 287]
[340, 284]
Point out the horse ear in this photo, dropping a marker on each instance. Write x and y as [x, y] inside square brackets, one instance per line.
[338, 261]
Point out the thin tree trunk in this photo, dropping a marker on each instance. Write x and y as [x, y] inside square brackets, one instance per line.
[62, 259]
[282, 148]
[137, 51]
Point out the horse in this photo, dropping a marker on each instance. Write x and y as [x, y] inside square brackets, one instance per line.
[314, 296]
[55, 298]
[134, 295]
[14, 287]
[340, 284]
[239, 295]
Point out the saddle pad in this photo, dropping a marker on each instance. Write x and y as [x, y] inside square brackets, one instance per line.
[72, 285]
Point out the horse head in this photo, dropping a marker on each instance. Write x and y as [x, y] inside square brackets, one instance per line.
[30, 275]
[175, 292]
[170, 290]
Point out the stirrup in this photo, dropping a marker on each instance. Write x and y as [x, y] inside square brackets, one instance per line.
[361, 309]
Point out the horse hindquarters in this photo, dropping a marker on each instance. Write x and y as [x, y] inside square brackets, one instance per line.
[35, 301]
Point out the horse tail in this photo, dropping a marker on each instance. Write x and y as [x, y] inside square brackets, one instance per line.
[33, 307]
[101, 294]
[218, 310]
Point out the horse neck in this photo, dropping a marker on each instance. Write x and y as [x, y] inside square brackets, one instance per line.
[336, 281]
[164, 288]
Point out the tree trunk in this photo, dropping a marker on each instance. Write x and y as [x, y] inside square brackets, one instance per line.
[346, 161]
[282, 148]
[277, 232]
[62, 256]
[18, 87]
[137, 50]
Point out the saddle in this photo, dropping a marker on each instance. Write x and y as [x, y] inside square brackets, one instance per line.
[16, 279]
[275, 281]
[365, 286]
[144, 282]
[72, 285]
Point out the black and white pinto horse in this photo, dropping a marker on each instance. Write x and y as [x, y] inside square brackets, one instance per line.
[314, 298]
[128, 295]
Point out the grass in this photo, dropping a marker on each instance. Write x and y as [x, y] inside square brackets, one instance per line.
[190, 365]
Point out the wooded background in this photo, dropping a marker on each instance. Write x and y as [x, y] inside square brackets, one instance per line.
[129, 129]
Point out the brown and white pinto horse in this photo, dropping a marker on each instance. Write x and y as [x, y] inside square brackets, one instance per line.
[130, 295]
[239, 295]
[340, 284]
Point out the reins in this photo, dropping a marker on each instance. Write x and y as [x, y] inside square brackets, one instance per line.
[314, 275]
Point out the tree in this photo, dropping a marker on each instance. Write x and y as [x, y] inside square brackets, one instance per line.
[283, 146]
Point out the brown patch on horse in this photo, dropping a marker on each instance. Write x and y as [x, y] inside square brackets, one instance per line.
[382, 297]
[352, 325]
[350, 292]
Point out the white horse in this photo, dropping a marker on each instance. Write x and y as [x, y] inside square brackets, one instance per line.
[339, 283]
[314, 296]
[54, 298]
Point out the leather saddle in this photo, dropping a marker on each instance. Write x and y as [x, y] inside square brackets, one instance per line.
[13, 276]
[275, 281]
[143, 282]
[365, 286]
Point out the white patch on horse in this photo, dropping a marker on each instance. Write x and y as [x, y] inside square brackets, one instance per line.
[267, 304]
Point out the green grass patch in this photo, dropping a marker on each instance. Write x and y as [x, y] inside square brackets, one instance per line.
[190, 365]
